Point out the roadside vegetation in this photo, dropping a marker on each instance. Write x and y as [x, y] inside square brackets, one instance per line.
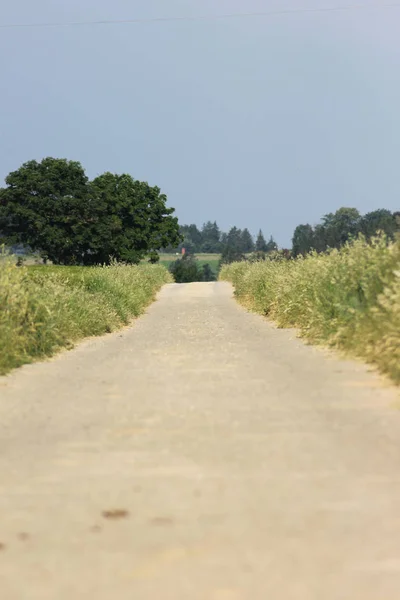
[333, 230]
[347, 298]
[337, 291]
[189, 270]
[46, 308]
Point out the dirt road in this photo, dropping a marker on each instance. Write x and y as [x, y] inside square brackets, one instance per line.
[199, 455]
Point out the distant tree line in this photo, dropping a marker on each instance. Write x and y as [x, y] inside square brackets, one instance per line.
[338, 228]
[334, 231]
[54, 209]
[233, 245]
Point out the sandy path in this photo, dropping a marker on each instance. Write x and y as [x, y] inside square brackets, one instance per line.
[199, 455]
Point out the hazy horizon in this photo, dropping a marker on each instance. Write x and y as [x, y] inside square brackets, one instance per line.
[261, 122]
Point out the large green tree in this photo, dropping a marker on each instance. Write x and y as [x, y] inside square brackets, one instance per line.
[341, 226]
[261, 244]
[320, 243]
[52, 207]
[191, 239]
[271, 245]
[233, 247]
[46, 206]
[247, 241]
[195, 235]
[303, 239]
[211, 237]
[130, 219]
[378, 220]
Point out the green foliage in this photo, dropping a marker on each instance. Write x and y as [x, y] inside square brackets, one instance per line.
[232, 250]
[340, 227]
[185, 269]
[247, 242]
[20, 261]
[188, 270]
[257, 256]
[154, 258]
[303, 240]
[43, 309]
[271, 245]
[275, 255]
[379, 220]
[349, 298]
[237, 244]
[45, 206]
[130, 218]
[191, 238]
[211, 238]
[261, 244]
[207, 274]
[52, 207]
[195, 235]
[212, 260]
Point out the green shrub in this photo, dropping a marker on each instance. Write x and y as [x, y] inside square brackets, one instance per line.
[348, 298]
[189, 270]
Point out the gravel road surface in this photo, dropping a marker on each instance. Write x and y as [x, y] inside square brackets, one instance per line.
[200, 454]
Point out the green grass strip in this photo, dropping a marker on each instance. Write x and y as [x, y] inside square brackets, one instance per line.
[45, 308]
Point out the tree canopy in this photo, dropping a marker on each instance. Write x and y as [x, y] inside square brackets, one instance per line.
[53, 207]
[211, 238]
[261, 244]
[303, 239]
[379, 220]
[187, 270]
[232, 250]
[271, 245]
[247, 241]
[338, 228]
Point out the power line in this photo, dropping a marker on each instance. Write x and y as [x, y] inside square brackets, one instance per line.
[265, 14]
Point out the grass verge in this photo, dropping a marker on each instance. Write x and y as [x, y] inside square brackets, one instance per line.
[45, 308]
[349, 299]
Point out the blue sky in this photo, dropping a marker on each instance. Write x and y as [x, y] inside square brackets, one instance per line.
[257, 122]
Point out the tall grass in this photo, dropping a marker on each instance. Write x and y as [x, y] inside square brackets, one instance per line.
[348, 299]
[43, 309]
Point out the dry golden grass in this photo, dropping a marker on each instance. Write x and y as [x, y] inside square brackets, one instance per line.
[45, 308]
[348, 299]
